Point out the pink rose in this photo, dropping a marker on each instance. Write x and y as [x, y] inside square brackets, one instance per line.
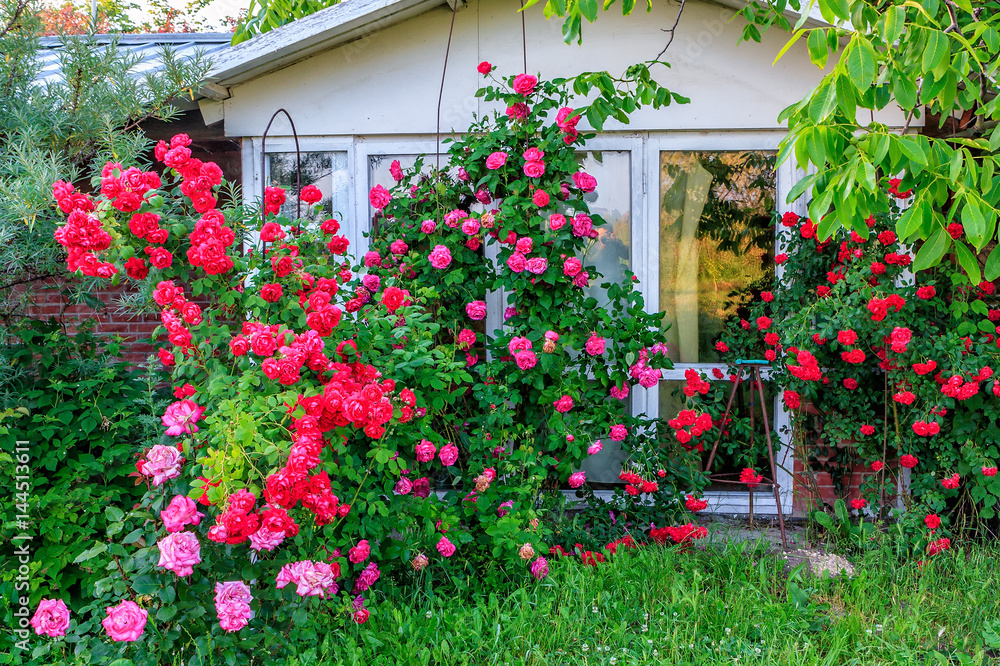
[525, 359]
[428, 226]
[618, 432]
[540, 568]
[496, 160]
[448, 454]
[445, 547]
[577, 479]
[582, 225]
[619, 393]
[585, 181]
[517, 111]
[516, 262]
[595, 345]
[51, 618]
[265, 539]
[179, 552]
[533, 155]
[563, 404]
[396, 171]
[380, 197]
[398, 247]
[534, 169]
[502, 510]
[524, 244]
[541, 198]
[476, 310]
[557, 221]
[425, 451]
[181, 511]
[572, 266]
[403, 486]
[180, 418]
[524, 84]
[360, 552]
[582, 280]
[470, 227]
[594, 448]
[537, 265]
[232, 604]
[125, 622]
[484, 68]
[440, 257]
[466, 338]
[162, 463]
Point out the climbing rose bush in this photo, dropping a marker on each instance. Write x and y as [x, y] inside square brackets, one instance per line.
[338, 426]
[896, 367]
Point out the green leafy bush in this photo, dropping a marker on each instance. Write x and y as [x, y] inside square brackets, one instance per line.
[82, 417]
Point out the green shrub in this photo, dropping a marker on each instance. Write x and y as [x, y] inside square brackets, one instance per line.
[82, 415]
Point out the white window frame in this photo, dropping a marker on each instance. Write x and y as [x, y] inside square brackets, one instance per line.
[735, 502]
[253, 177]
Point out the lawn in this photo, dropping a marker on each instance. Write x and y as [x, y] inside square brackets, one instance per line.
[726, 604]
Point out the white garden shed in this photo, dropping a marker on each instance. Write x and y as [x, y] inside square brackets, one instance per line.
[361, 81]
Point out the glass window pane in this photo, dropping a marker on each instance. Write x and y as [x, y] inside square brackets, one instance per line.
[716, 243]
[740, 447]
[604, 467]
[327, 171]
[611, 252]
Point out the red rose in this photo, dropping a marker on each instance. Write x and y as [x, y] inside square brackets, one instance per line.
[310, 194]
[136, 268]
[484, 68]
[393, 298]
[159, 257]
[271, 292]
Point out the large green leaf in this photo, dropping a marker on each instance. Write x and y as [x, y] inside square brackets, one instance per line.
[861, 62]
[933, 249]
[969, 263]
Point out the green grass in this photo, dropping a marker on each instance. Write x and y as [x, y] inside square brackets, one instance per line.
[731, 605]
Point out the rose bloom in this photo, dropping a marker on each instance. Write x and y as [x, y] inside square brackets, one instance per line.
[594, 448]
[360, 552]
[585, 181]
[496, 160]
[181, 511]
[541, 198]
[572, 266]
[440, 257]
[563, 404]
[577, 479]
[557, 221]
[476, 310]
[517, 262]
[908, 461]
[448, 454]
[445, 547]
[162, 463]
[179, 552]
[989, 471]
[125, 622]
[867, 430]
[534, 170]
[932, 520]
[484, 68]
[379, 197]
[180, 418]
[425, 451]
[271, 292]
[51, 618]
[537, 265]
[310, 194]
[618, 432]
[524, 84]
[525, 359]
[540, 568]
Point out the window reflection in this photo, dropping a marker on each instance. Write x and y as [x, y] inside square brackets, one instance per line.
[327, 171]
[611, 252]
[716, 243]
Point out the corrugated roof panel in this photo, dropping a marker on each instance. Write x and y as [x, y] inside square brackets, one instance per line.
[148, 48]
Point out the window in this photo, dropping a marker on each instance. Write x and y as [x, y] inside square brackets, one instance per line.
[716, 243]
[611, 253]
[326, 170]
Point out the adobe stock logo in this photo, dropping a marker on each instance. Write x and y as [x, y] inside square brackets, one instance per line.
[22, 555]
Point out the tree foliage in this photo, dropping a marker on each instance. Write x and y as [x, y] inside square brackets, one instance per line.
[71, 126]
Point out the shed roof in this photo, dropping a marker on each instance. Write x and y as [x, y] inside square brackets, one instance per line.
[149, 47]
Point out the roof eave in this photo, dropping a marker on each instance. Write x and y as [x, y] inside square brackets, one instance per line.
[327, 28]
